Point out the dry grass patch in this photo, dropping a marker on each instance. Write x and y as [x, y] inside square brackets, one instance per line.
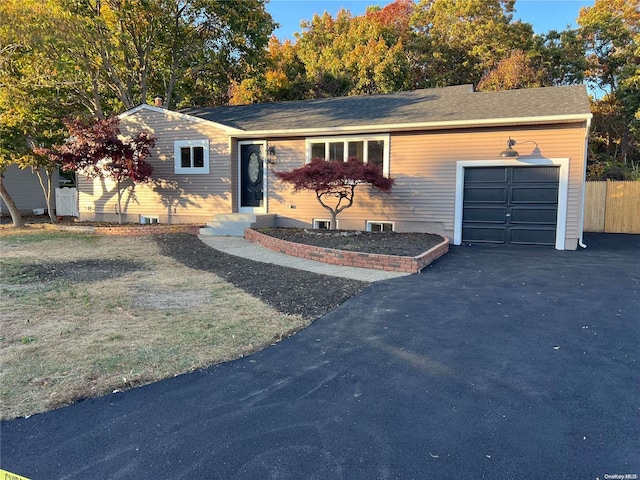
[85, 315]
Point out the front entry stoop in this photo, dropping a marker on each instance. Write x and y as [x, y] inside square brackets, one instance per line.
[233, 224]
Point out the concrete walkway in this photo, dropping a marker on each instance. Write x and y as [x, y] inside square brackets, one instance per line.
[240, 247]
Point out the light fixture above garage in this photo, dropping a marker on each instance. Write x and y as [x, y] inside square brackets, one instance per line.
[509, 152]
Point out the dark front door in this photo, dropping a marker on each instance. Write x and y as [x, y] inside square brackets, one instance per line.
[251, 173]
[517, 205]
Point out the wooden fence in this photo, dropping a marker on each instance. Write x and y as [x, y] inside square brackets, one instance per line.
[612, 207]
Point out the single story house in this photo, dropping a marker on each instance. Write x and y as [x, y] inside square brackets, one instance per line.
[501, 167]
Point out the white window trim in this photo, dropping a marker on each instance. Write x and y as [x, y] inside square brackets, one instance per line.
[149, 219]
[369, 223]
[563, 189]
[179, 169]
[317, 220]
[352, 138]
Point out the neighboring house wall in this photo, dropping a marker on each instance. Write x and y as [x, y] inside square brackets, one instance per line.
[171, 197]
[25, 189]
[424, 168]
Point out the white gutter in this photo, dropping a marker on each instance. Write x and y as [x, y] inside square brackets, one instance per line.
[584, 184]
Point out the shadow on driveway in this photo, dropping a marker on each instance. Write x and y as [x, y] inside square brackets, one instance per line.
[495, 363]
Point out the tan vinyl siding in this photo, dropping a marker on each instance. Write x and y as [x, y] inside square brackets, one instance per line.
[174, 198]
[424, 168]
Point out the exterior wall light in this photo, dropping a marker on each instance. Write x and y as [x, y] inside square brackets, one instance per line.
[271, 155]
[509, 152]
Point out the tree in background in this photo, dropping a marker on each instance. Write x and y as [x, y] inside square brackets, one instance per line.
[98, 150]
[561, 55]
[122, 53]
[457, 41]
[352, 55]
[515, 71]
[335, 182]
[283, 79]
[32, 105]
[610, 31]
[345, 55]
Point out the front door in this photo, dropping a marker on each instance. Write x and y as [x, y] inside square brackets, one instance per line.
[251, 177]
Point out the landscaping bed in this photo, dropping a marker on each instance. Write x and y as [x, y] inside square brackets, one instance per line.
[381, 243]
[388, 251]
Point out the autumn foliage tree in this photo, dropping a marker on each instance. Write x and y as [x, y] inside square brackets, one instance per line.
[610, 30]
[334, 183]
[99, 150]
[515, 71]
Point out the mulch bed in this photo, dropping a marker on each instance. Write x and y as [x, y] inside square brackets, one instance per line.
[288, 290]
[382, 243]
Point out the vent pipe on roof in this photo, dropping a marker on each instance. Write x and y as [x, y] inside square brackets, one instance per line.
[157, 102]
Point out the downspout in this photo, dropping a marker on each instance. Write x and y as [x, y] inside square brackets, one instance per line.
[584, 184]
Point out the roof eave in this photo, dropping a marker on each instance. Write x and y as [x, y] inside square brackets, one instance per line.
[555, 119]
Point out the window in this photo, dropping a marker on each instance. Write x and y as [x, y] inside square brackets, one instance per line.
[191, 156]
[379, 226]
[368, 149]
[147, 219]
[321, 224]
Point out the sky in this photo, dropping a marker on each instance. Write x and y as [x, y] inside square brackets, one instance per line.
[544, 15]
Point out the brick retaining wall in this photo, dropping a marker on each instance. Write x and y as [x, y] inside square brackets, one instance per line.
[127, 230]
[389, 263]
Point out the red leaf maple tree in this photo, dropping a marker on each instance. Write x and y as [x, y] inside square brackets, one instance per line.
[334, 183]
[98, 149]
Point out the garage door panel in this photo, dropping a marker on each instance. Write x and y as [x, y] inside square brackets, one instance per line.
[495, 214]
[547, 195]
[488, 174]
[531, 236]
[485, 194]
[536, 175]
[484, 234]
[546, 216]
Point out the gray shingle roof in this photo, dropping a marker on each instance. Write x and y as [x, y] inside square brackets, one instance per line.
[435, 105]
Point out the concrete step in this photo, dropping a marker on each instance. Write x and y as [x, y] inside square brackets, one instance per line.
[264, 220]
[225, 224]
[236, 217]
[222, 231]
[233, 224]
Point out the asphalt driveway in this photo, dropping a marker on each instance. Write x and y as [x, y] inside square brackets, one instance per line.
[495, 362]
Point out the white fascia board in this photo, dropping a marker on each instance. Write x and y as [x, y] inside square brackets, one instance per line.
[182, 116]
[415, 126]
